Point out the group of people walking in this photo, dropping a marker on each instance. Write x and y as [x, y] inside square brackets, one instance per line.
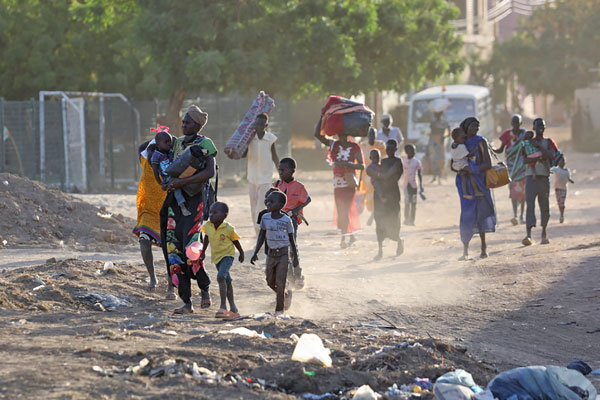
[182, 215]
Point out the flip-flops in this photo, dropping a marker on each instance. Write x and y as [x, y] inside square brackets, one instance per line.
[222, 313]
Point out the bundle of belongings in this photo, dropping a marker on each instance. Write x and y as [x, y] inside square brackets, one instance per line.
[346, 117]
[238, 143]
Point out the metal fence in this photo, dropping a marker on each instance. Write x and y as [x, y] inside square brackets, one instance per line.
[104, 157]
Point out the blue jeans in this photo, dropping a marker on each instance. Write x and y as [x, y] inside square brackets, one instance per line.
[223, 268]
[540, 188]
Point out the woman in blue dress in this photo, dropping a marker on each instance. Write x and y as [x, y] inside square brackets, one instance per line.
[477, 215]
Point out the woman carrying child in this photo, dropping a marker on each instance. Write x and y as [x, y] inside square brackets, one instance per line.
[512, 142]
[478, 214]
[178, 231]
[387, 197]
[346, 157]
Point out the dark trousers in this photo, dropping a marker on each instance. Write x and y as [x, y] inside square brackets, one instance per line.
[276, 271]
[540, 188]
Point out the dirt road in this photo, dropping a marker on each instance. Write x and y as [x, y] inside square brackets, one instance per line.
[521, 306]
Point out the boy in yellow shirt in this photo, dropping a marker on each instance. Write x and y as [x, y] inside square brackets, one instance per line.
[223, 241]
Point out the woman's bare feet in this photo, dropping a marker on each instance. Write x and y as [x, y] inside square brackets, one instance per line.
[171, 294]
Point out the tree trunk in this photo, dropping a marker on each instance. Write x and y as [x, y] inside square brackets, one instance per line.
[173, 118]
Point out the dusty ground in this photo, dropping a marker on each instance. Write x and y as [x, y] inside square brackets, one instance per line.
[522, 306]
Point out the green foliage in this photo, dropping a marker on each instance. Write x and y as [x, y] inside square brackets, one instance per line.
[555, 52]
[167, 48]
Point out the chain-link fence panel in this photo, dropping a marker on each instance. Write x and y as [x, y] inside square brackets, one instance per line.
[91, 143]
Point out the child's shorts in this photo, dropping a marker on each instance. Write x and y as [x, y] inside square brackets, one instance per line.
[223, 268]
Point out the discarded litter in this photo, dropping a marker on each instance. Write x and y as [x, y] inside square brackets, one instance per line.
[310, 349]
[5, 183]
[108, 301]
[35, 289]
[109, 266]
[450, 391]
[365, 393]
[309, 373]
[104, 215]
[244, 332]
[324, 396]
[170, 333]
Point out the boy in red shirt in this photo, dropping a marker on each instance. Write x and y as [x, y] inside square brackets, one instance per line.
[297, 199]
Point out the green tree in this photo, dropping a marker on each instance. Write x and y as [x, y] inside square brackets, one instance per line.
[63, 45]
[296, 47]
[555, 52]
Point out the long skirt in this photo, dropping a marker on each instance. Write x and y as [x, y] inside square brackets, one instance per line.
[387, 218]
[477, 215]
[346, 214]
[177, 233]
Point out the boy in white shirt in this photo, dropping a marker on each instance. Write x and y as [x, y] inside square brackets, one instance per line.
[262, 155]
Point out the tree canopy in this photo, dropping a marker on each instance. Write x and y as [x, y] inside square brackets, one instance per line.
[555, 52]
[161, 48]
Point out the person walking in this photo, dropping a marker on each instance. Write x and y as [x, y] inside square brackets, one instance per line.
[477, 214]
[178, 231]
[538, 181]
[262, 157]
[511, 144]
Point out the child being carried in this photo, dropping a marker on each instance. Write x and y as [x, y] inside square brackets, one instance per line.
[460, 162]
[161, 160]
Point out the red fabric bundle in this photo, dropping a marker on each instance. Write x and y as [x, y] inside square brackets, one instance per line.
[332, 115]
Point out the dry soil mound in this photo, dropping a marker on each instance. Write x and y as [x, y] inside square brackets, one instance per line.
[89, 317]
[33, 213]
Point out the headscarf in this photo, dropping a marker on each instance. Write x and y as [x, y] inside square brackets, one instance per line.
[467, 122]
[197, 114]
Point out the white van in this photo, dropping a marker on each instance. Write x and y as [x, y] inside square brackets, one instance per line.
[465, 101]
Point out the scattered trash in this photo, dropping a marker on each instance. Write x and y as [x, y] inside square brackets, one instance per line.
[104, 215]
[170, 333]
[150, 316]
[19, 322]
[485, 395]
[309, 373]
[568, 323]
[324, 396]
[244, 332]
[459, 377]
[424, 383]
[365, 393]
[596, 372]
[108, 301]
[540, 382]
[580, 366]
[310, 349]
[294, 337]
[36, 218]
[109, 266]
[450, 391]
[557, 307]
[35, 289]
[4, 242]
[5, 183]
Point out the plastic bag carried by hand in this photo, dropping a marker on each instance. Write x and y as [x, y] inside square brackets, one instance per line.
[310, 349]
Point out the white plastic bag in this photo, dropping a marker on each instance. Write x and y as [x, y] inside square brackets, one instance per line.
[244, 332]
[310, 349]
[365, 393]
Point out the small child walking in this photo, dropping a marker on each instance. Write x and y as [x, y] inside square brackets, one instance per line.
[412, 169]
[160, 161]
[297, 199]
[277, 230]
[562, 176]
[223, 241]
[460, 162]
[373, 169]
